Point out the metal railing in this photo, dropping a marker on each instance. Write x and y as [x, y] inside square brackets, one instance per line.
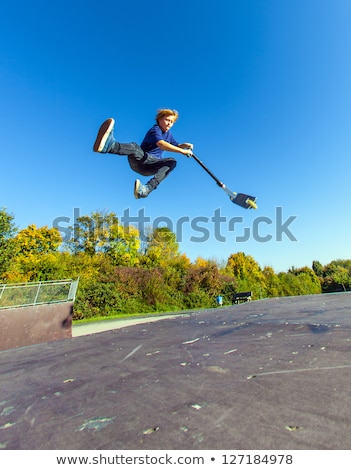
[36, 293]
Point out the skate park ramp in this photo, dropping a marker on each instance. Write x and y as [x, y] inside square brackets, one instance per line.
[269, 374]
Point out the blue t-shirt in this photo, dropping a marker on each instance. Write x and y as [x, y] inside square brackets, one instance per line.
[153, 135]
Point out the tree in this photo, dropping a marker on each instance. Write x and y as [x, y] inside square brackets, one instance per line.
[33, 240]
[124, 245]
[102, 233]
[299, 281]
[317, 267]
[92, 233]
[342, 277]
[7, 244]
[36, 255]
[161, 246]
[247, 272]
[204, 282]
[175, 273]
[272, 282]
[309, 277]
[336, 274]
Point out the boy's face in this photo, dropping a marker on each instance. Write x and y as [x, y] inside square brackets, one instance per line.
[166, 122]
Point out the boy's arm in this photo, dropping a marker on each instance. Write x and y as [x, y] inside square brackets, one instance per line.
[185, 148]
[186, 145]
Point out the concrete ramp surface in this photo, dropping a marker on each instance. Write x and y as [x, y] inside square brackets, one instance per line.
[270, 374]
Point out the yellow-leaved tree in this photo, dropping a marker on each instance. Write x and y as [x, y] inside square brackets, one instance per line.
[247, 273]
[37, 256]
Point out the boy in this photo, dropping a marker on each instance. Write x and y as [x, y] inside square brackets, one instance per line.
[146, 159]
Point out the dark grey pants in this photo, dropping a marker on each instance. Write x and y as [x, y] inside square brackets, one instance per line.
[144, 163]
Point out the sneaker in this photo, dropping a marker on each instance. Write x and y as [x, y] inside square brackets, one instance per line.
[105, 139]
[140, 190]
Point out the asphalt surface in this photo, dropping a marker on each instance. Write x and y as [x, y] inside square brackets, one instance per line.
[271, 374]
[83, 329]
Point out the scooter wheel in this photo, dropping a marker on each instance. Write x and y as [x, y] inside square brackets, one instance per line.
[252, 204]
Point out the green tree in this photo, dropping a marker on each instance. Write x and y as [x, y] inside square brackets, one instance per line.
[336, 275]
[124, 245]
[175, 273]
[318, 268]
[8, 231]
[272, 282]
[92, 233]
[309, 278]
[161, 246]
[342, 277]
[103, 233]
[299, 281]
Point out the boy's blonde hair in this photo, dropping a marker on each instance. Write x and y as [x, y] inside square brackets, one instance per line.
[167, 112]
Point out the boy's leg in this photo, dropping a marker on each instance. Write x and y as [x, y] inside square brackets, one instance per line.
[159, 168]
[104, 137]
[106, 143]
[164, 167]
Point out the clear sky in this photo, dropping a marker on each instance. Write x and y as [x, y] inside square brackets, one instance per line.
[263, 89]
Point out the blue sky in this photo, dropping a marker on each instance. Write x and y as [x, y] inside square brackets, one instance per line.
[263, 92]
